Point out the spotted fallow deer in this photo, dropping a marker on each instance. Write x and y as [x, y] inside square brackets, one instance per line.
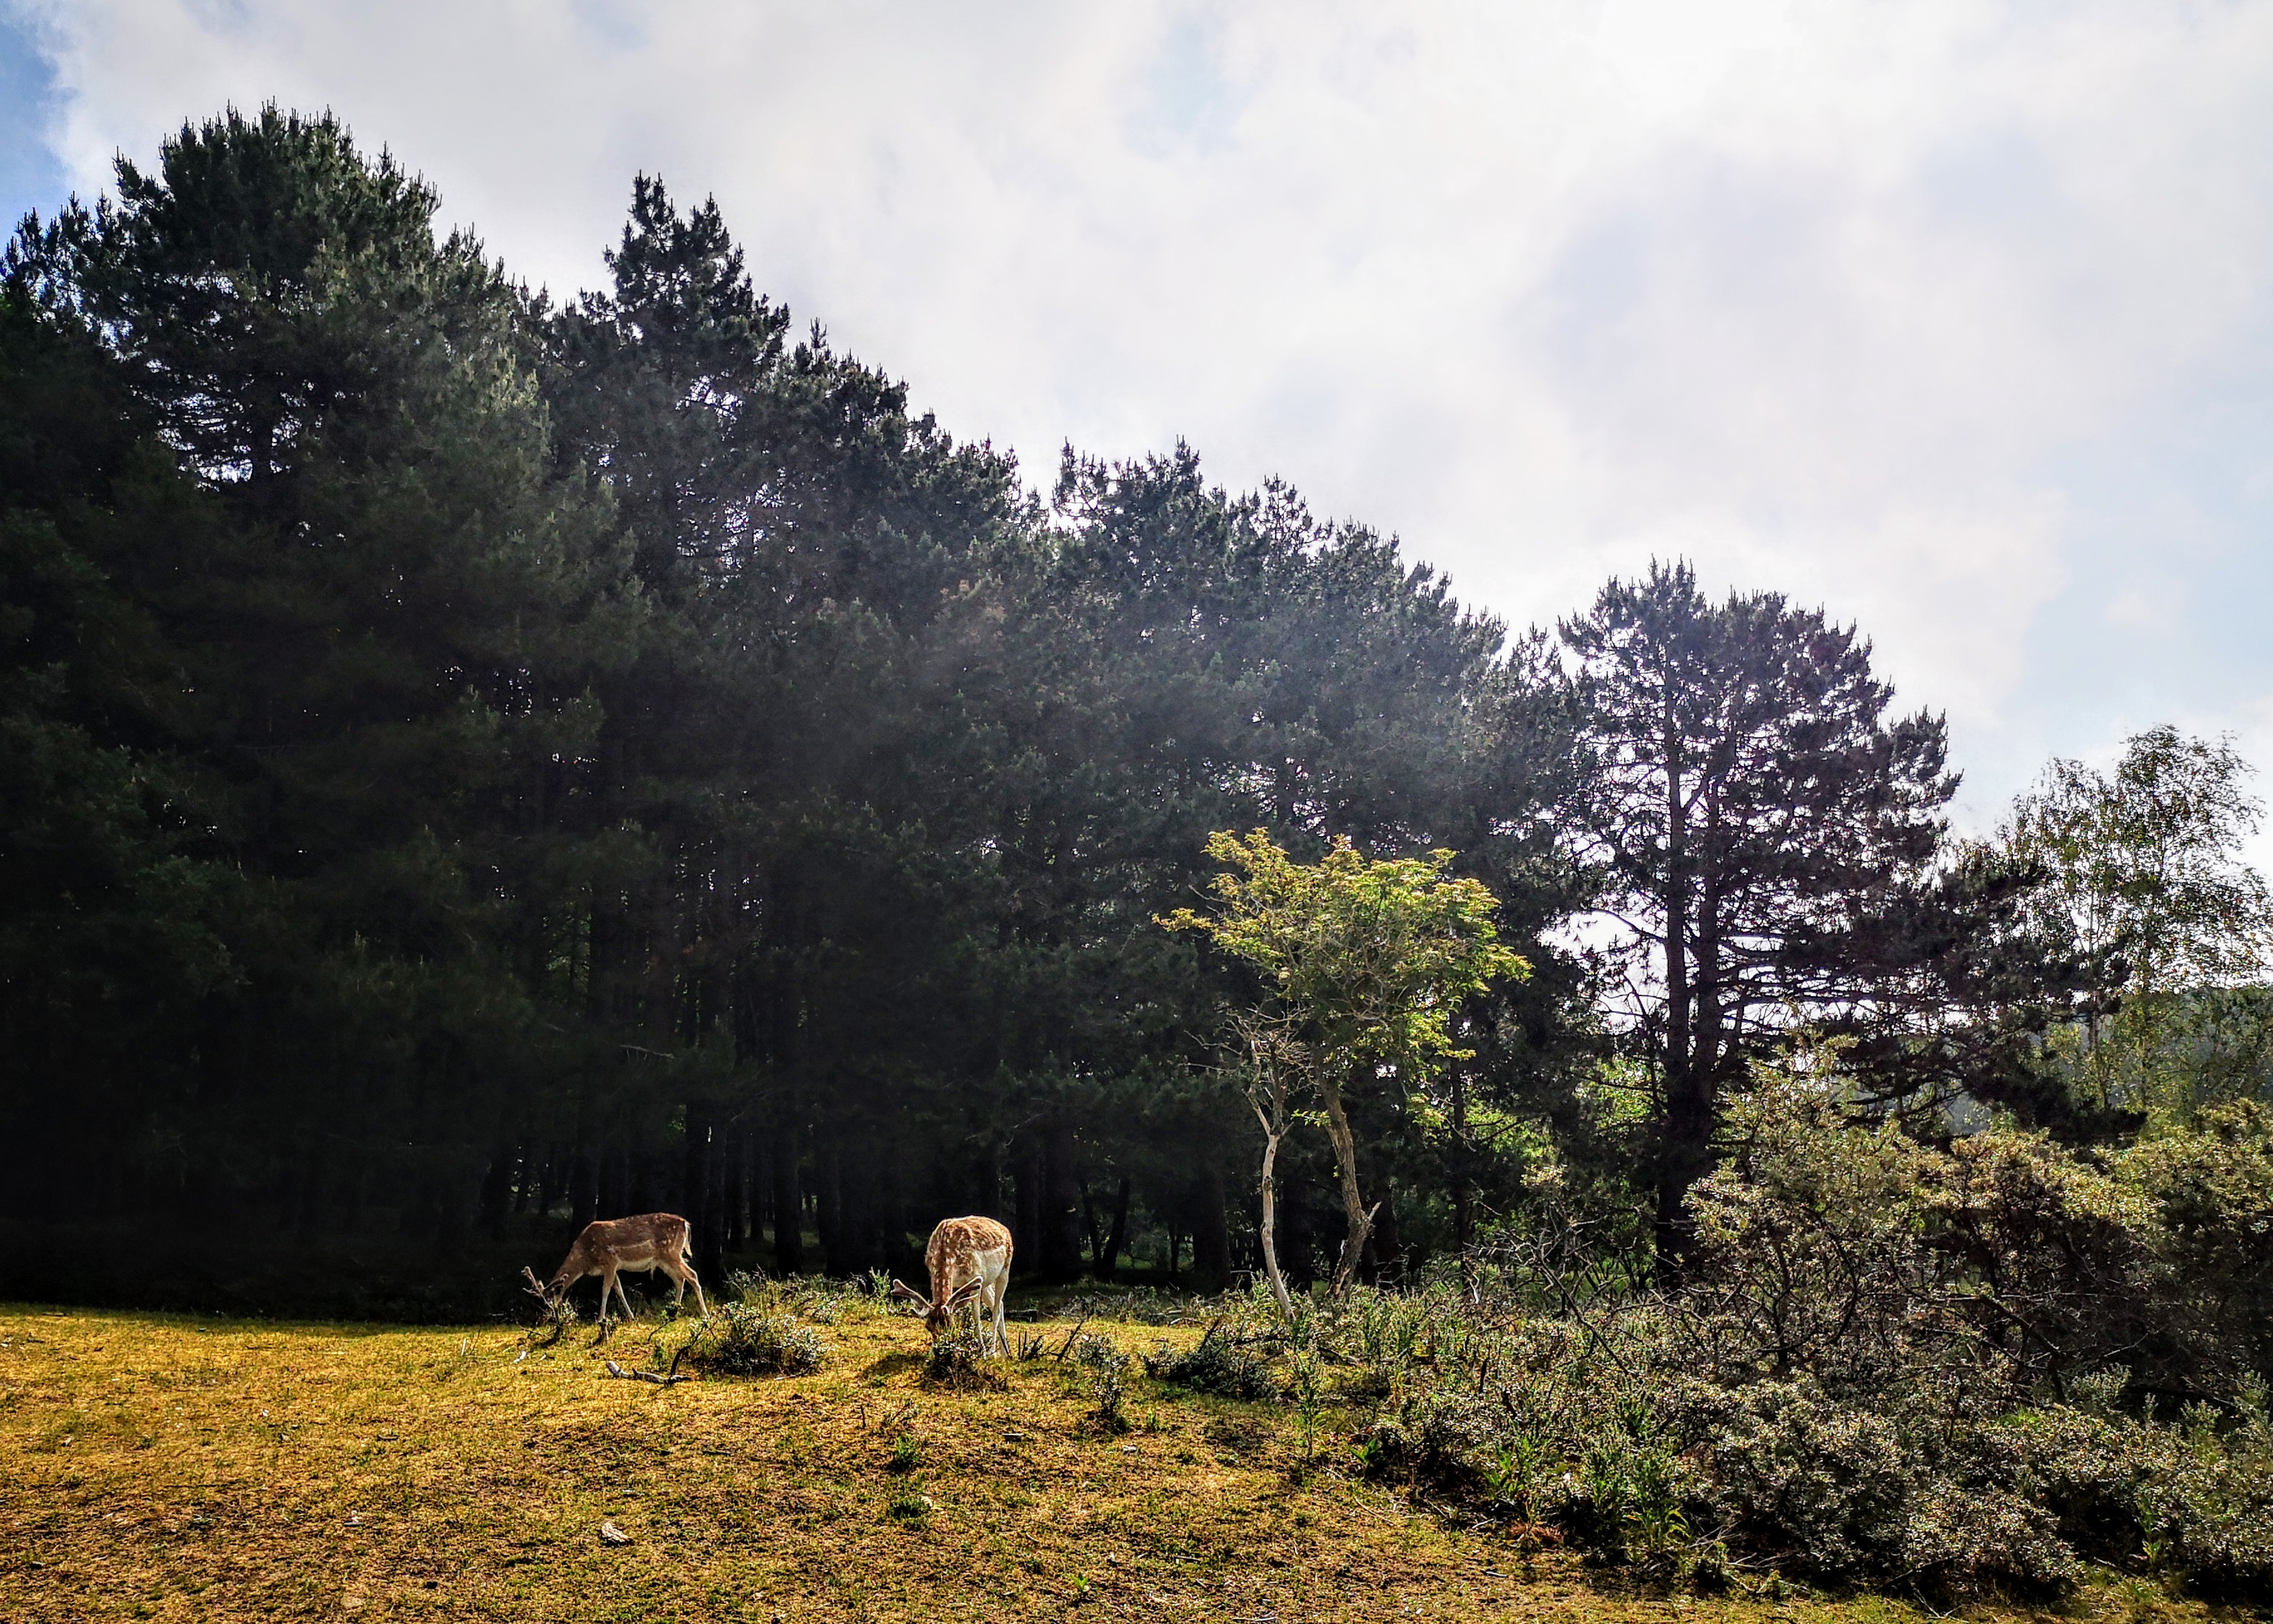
[970, 1264]
[608, 1246]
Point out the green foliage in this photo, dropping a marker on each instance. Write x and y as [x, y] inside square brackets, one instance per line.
[963, 1363]
[1367, 959]
[1893, 1360]
[1365, 964]
[1763, 828]
[2143, 869]
[471, 765]
[1215, 1364]
[744, 1339]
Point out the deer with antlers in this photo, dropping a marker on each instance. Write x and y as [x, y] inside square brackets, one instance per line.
[608, 1246]
[969, 1263]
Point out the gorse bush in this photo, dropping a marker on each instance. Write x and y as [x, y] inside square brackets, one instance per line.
[1950, 1366]
[746, 1339]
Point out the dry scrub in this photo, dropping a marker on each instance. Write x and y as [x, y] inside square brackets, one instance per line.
[183, 1469]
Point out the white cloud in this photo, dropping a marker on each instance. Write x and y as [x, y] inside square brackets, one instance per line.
[1847, 300]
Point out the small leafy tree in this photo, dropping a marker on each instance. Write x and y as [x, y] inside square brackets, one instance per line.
[1364, 964]
[2144, 864]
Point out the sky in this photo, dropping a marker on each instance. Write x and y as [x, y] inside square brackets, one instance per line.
[1956, 319]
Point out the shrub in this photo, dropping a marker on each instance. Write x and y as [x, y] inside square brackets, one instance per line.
[1108, 1416]
[1216, 1366]
[1892, 1361]
[743, 1339]
[1825, 1484]
[961, 1362]
[1099, 1352]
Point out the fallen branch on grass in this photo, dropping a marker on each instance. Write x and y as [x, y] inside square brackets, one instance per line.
[668, 1379]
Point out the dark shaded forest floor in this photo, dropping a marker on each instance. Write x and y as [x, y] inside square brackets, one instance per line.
[183, 1469]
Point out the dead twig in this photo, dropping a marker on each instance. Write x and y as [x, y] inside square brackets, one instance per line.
[1072, 1335]
[668, 1379]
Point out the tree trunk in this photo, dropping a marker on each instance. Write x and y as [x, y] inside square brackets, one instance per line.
[1026, 1233]
[497, 1189]
[989, 1201]
[1268, 1230]
[705, 1216]
[1464, 1202]
[829, 1195]
[583, 1189]
[1685, 1142]
[1361, 1225]
[1211, 1232]
[312, 1187]
[1388, 1250]
[1093, 1231]
[1061, 1206]
[789, 1204]
[735, 1159]
[1118, 1234]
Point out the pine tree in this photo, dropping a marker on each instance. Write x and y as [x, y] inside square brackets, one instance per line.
[1749, 807]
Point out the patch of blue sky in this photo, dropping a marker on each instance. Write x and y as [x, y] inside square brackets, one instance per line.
[30, 176]
[1187, 104]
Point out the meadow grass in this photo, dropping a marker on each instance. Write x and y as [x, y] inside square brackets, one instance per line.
[160, 1467]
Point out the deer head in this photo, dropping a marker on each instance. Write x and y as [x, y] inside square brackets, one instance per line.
[537, 1288]
[938, 1316]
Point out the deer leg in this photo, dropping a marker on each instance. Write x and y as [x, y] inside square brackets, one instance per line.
[695, 1280]
[1001, 1337]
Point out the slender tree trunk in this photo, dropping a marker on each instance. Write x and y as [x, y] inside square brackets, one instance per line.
[1026, 1233]
[1119, 1233]
[1464, 1202]
[829, 1205]
[1093, 1228]
[705, 1218]
[1687, 1127]
[1388, 1250]
[1212, 1231]
[584, 1189]
[497, 1189]
[989, 1200]
[1271, 1112]
[1360, 1223]
[312, 1186]
[738, 1190]
[554, 1184]
[1061, 1206]
[789, 1204]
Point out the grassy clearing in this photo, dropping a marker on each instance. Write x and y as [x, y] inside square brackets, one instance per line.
[173, 1467]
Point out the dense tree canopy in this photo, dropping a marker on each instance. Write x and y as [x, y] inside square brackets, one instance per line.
[468, 765]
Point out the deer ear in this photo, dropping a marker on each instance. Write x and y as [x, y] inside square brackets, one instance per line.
[901, 1288]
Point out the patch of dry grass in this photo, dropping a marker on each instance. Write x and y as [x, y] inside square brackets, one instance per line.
[182, 1469]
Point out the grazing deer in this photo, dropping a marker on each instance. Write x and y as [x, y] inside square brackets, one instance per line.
[610, 1246]
[970, 1261]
